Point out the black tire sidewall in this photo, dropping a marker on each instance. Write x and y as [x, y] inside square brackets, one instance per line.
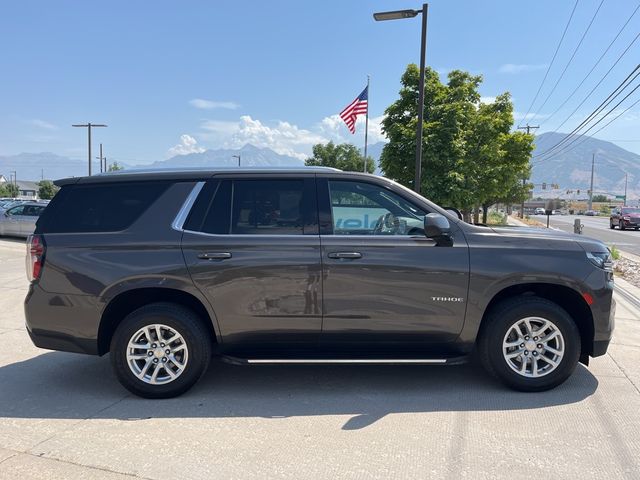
[507, 316]
[184, 322]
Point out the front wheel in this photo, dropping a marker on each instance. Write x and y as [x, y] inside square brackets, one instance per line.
[530, 344]
[611, 225]
[621, 224]
[160, 350]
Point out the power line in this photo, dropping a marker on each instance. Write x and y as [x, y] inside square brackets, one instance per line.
[553, 89]
[605, 126]
[552, 60]
[600, 82]
[619, 89]
[594, 66]
[566, 147]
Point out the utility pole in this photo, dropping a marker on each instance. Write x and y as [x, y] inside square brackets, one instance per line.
[101, 159]
[88, 127]
[238, 157]
[528, 128]
[105, 164]
[593, 163]
[625, 188]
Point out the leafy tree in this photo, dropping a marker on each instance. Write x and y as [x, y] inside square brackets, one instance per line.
[470, 157]
[46, 189]
[9, 190]
[114, 167]
[600, 198]
[343, 156]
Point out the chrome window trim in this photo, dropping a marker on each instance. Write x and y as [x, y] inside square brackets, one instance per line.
[248, 235]
[181, 217]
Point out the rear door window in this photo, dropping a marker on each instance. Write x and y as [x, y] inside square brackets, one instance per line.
[256, 207]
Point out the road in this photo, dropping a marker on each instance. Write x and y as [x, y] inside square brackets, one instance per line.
[598, 227]
[65, 416]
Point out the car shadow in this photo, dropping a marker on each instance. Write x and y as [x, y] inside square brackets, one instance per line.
[60, 385]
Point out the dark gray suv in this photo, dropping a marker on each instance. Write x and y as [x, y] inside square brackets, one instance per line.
[313, 265]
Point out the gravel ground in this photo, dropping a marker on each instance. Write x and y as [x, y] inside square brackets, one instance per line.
[628, 269]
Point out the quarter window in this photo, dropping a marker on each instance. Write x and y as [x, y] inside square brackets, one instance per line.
[360, 208]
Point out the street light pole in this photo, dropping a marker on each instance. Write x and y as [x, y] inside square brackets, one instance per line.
[423, 53]
[397, 15]
[626, 175]
[238, 157]
[88, 127]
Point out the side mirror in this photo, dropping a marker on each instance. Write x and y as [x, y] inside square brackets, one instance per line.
[437, 226]
[455, 211]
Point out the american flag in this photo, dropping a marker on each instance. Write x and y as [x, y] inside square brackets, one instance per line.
[358, 107]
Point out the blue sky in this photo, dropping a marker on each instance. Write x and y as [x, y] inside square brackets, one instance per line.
[171, 77]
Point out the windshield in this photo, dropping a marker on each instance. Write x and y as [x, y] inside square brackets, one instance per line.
[630, 210]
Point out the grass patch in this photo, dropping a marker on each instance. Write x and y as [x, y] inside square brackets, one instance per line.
[615, 253]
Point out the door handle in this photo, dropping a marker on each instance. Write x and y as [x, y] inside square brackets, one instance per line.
[347, 255]
[214, 255]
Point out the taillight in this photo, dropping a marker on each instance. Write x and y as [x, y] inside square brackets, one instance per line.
[35, 256]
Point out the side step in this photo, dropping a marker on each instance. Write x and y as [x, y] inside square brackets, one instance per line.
[344, 361]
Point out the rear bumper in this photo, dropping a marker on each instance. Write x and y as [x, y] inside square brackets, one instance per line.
[62, 322]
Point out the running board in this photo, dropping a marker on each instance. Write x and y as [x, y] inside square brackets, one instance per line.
[343, 361]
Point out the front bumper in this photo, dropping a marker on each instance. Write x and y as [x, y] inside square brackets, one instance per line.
[603, 311]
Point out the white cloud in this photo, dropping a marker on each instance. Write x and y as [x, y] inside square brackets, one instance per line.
[512, 68]
[487, 99]
[334, 129]
[212, 104]
[42, 124]
[284, 137]
[187, 145]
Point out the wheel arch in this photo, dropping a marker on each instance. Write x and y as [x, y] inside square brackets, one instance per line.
[565, 297]
[130, 300]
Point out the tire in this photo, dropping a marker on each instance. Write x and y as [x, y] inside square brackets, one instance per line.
[179, 363]
[611, 225]
[499, 325]
[621, 225]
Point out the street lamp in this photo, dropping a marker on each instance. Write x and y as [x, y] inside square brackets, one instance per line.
[88, 127]
[238, 157]
[399, 15]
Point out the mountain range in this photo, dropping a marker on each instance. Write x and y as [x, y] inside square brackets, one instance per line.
[570, 169]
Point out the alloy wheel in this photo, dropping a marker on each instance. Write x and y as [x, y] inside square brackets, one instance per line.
[157, 354]
[533, 347]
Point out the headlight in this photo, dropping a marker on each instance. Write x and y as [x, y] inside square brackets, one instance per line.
[601, 260]
[626, 218]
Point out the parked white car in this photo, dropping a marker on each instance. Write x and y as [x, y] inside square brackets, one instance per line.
[20, 220]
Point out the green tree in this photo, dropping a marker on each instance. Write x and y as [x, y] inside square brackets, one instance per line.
[343, 156]
[114, 167]
[470, 157]
[9, 190]
[46, 189]
[600, 198]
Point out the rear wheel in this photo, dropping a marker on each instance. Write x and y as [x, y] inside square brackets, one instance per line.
[530, 344]
[160, 350]
[611, 225]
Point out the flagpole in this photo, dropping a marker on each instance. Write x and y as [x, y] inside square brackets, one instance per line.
[366, 128]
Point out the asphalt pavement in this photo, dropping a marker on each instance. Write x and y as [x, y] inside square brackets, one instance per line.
[65, 416]
[597, 227]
